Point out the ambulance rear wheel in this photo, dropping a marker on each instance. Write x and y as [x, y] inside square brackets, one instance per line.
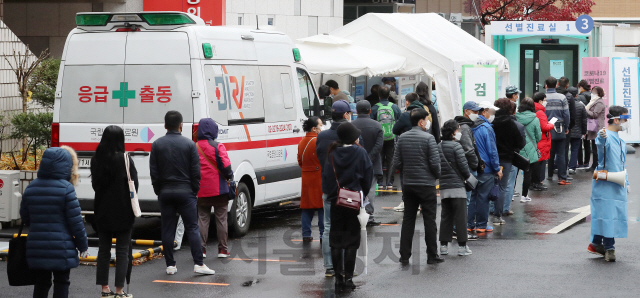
[240, 214]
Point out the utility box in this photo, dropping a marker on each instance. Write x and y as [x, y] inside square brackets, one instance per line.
[10, 196]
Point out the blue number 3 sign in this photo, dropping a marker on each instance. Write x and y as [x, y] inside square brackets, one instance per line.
[584, 24]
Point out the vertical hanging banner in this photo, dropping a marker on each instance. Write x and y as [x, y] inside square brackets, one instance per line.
[626, 93]
[595, 70]
[213, 12]
[479, 83]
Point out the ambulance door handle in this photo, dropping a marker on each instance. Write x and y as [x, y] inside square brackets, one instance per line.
[296, 130]
[141, 153]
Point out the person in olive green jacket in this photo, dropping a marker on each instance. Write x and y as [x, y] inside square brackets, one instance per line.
[527, 116]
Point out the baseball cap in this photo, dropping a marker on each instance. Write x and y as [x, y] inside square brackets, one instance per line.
[512, 90]
[488, 105]
[341, 106]
[363, 107]
[471, 105]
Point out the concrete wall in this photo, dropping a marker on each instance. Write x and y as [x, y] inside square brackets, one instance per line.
[444, 6]
[616, 8]
[43, 25]
[296, 18]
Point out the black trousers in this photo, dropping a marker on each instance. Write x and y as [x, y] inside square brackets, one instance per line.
[594, 152]
[530, 176]
[454, 211]
[586, 144]
[123, 256]
[426, 197]
[60, 283]
[182, 201]
[387, 163]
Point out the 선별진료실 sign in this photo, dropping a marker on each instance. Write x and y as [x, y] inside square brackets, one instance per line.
[626, 93]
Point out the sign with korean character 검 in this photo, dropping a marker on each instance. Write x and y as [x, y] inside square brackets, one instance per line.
[479, 83]
[626, 93]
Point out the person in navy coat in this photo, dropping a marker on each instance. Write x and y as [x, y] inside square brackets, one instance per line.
[56, 229]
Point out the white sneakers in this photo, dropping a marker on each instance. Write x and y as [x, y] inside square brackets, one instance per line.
[525, 199]
[399, 208]
[203, 269]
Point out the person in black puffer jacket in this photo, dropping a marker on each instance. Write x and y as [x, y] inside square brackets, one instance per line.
[508, 140]
[454, 169]
[56, 231]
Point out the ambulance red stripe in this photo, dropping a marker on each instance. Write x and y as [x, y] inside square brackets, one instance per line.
[234, 146]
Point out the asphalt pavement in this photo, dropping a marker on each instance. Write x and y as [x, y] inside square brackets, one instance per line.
[516, 260]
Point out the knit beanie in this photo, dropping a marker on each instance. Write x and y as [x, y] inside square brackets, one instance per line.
[348, 133]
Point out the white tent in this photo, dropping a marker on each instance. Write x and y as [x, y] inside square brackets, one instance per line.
[328, 54]
[432, 45]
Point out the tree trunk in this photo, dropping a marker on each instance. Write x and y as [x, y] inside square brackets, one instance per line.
[25, 149]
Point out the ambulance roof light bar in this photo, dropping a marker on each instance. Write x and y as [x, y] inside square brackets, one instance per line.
[155, 19]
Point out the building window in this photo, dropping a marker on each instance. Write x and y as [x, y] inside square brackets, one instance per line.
[240, 19]
[297, 7]
[271, 20]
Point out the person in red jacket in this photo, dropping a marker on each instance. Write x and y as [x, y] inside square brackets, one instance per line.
[215, 170]
[544, 145]
[311, 192]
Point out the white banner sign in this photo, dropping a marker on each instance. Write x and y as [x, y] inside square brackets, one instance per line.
[536, 28]
[626, 93]
[479, 83]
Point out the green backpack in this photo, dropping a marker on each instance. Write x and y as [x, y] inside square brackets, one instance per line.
[387, 120]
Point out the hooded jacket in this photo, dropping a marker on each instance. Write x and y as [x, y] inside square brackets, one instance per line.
[452, 155]
[418, 157]
[533, 135]
[213, 181]
[486, 144]
[508, 137]
[404, 123]
[468, 142]
[435, 124]
[581, 121]
[544, 145]
[51, 209]
[570, 93]
[585, 97]
[353, 170]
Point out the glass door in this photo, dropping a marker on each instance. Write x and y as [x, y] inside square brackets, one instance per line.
[537, 62]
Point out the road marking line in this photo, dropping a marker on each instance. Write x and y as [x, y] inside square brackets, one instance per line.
[262, 260]
[583, 212]
[389, 224]
[191, 283]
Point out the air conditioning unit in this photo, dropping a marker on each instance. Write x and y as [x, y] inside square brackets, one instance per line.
[10, 196]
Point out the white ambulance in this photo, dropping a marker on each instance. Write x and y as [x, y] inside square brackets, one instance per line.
[129, 69]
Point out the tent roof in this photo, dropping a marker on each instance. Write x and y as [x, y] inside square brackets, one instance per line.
[430, 43]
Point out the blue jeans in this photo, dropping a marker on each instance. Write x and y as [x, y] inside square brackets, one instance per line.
[475, 174]
[326, 249]
[510, 188]
[575, 147]
[558, 159]
[504, 188]
[307, 216]
[607, 242]
[479, 203]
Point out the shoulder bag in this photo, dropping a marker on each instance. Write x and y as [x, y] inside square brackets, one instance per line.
[535, 145]
[305, 149]
[17, 268]
[135, 205]
[520, 161]
[233, 189]
[469, 184]
[346, 198]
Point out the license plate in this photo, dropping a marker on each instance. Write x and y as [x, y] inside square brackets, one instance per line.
[84, 163]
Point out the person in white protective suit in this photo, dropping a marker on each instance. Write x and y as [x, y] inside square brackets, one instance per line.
[608, 198]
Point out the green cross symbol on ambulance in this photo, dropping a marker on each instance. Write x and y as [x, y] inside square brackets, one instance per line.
[123, 94]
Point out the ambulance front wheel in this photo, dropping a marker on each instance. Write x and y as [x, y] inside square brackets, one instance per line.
[240, 213]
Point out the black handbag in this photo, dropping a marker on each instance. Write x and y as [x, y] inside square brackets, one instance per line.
[17, 268]
[520, 161]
